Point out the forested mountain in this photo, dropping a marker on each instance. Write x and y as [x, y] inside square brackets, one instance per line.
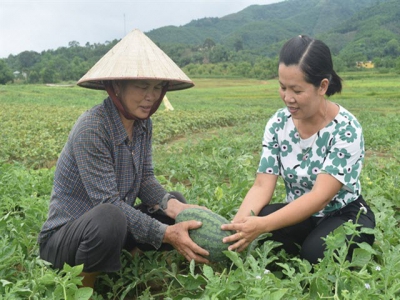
[258, 25]
[371, 34]
[245, 43]
[261, 29]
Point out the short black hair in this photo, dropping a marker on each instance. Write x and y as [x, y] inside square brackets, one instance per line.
[315, 60]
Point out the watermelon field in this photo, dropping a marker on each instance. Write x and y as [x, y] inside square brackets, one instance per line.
[208, 148]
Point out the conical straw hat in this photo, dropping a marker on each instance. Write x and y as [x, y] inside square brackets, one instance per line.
[135, 57]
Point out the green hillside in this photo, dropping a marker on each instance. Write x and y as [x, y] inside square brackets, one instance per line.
[370, 34]
[260, 24]
[355, 31]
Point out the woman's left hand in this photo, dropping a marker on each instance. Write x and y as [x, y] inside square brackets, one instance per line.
[248, 229]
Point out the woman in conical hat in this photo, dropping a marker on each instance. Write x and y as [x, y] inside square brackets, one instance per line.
[107, 163]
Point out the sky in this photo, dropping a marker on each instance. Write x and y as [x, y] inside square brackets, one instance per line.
[38, 25]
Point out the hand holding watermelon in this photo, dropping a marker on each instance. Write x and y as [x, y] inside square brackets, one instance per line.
[209, 236]
[178, 236]
[246, 230]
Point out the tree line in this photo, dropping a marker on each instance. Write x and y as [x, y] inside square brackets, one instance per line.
[67, 64]
[52, 66]
[70, 63]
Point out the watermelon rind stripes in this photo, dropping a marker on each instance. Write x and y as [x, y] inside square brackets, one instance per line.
[209, 236]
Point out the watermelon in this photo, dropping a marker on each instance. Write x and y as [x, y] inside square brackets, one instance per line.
[209, 236]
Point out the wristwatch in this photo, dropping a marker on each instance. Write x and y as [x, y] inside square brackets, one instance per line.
[164, 201]
[163, 204]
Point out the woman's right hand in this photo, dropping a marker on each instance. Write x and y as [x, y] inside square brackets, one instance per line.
[177, 235]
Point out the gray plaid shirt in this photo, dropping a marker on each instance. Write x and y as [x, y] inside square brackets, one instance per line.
[99, 165]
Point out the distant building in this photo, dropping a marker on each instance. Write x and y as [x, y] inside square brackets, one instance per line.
[19, 75]
[365, 64]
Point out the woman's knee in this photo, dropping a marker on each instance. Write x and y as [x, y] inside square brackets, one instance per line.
[271, 208]
[314, 246]
[313, 251]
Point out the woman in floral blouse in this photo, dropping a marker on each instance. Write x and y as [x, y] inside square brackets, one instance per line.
[317, 146]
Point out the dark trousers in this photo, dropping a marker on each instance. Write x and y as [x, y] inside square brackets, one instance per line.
[97, 238]
[305, 238]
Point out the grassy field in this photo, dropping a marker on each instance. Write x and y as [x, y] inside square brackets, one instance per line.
[208, 148]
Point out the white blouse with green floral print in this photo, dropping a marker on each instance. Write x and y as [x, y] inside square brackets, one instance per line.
[338, 150]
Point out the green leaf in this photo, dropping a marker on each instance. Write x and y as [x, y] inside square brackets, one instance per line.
[278, 294]
[219, 193]
[190, 282]
[367, 247]
[208, 272]
[367, 230]
[319, 287]
[192, 266]
[361, 257]
[5, 282]
[234, 257]
[83, 293]
[47, 279]
[77, 270]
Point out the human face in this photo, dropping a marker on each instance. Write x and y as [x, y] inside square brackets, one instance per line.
[303, 100]
[138, 96]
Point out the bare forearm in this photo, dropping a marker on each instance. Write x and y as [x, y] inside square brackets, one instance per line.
[248, 228]
[258, 196]
[254, 201]
[325, 188]
[293, 213]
